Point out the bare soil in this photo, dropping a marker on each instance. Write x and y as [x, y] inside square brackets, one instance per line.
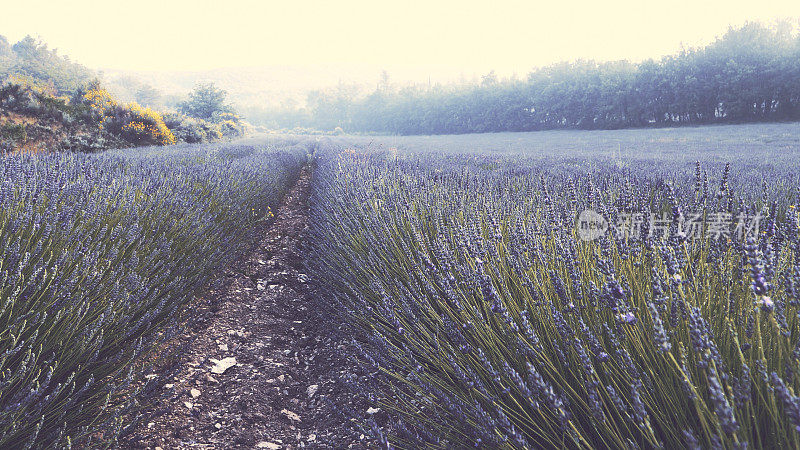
[287, 387]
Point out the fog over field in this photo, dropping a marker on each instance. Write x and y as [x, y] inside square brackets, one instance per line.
[273, 53]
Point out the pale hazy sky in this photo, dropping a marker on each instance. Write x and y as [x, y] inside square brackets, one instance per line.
[509, 36]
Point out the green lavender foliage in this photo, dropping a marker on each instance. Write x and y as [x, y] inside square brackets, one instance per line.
[99, 254]
[464, 282]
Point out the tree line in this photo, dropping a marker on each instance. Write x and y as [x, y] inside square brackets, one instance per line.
[751, 73]
[31, 59]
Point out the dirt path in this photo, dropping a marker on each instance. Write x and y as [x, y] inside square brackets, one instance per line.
[286, 388]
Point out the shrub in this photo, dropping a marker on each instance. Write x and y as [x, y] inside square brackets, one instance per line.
[230, 128]
[143, 126]
[135, 124]
[13, 132]
[100, 103]
[188, 129]
[32, 97]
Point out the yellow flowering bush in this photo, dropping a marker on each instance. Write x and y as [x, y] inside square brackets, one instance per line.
[99, 100]
[147, 126]
[134, 123]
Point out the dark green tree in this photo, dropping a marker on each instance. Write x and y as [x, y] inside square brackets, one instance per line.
[205, 102]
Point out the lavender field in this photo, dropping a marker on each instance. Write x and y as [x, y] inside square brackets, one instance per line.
[99, 255]
[480, 308]
[493, 320]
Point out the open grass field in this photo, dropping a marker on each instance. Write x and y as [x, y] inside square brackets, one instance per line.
[763, 143]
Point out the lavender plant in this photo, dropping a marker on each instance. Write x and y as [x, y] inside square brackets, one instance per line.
[465, 283]
[99, 253]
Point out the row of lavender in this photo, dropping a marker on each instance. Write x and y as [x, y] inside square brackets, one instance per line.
[99, 254]
[495, 321]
